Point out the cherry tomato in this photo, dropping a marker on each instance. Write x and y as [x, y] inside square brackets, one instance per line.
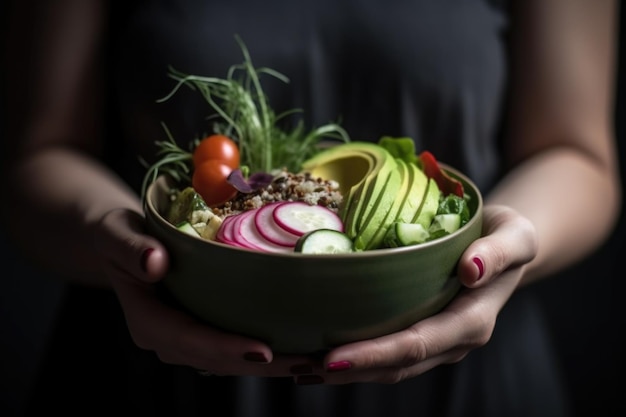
[209, 179]
[218, 147]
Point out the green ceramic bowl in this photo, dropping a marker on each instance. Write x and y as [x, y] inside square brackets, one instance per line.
[308, 303]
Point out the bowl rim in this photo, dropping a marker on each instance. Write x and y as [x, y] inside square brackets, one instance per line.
[163, 180]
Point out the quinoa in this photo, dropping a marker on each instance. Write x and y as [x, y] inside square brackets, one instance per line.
[286, 186]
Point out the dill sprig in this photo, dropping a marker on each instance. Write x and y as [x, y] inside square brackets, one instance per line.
[174, 161]
[243, 108]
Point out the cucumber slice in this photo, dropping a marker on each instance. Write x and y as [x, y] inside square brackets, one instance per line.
[405, 234]
[187, 228]
[448, 222]
[324, 241]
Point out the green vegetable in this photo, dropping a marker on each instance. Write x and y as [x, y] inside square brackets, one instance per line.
[446, 223]
[184, 203]
[324, 241]
[186, 227]
[173, 161]
[453, 204]
[404, 234]
[401, 148]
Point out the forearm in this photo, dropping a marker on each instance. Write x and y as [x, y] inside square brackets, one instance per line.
[57, 196]
[559, 128]
[572, 200]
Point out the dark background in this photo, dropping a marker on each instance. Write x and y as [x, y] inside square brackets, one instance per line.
[583, 303]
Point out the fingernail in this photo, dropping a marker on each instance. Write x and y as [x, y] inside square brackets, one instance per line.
[309, 380]
[338, 366]
[481, 267]
[255, 357]
[301, 369]
[144, 259]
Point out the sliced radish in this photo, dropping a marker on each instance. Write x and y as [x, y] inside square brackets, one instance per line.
[238, 237]
[267, 227]
[225, 232]
[249, 233]
[299, 218]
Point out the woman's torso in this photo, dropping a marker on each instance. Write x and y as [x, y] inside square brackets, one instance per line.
[434, 71]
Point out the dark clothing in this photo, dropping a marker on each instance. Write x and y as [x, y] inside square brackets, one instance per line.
[433, 70]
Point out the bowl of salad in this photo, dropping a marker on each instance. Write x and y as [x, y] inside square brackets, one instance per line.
[274, 235]
[306, 264]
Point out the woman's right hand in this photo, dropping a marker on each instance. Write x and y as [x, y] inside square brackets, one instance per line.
[134, 262]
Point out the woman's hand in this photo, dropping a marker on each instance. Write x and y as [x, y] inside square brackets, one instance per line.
[134, 262]
[490, 270]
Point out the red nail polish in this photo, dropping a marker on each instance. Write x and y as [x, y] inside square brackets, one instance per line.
[338, 366]
[481, 267]
[309, 380]
[144, 259]
[255, 357]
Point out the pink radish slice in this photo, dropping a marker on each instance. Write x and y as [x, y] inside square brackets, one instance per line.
[249, 233]
[267, 227]
[237, 236]
[225, 232]
[299, 218]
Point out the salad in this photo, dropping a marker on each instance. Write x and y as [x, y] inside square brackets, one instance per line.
[257, 183]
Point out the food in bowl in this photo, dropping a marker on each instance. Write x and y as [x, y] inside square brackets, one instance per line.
[310, 302]
[369, 194]
[306, 247]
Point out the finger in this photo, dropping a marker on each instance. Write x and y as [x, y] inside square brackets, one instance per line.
[420, 342]
[391, 375]
[179, 339]
[120, 238]
[509, 240]
[466, 323]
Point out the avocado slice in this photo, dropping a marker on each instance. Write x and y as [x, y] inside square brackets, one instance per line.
[361, 186]
[429, 206]
[415, 194]
[347, 167]
[332, 162]
[410, 196]
[350, 164]
[369, 197]
[388, 201]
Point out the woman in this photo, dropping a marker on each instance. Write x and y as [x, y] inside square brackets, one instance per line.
[518, 96]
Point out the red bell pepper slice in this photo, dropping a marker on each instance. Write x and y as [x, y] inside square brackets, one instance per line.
[446, 183]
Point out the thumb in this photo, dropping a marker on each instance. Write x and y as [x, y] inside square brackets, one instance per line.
[509, 240]
[124, 245]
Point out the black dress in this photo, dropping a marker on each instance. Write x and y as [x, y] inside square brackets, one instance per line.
[433, 70]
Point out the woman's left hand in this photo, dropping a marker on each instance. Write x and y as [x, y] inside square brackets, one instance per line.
[490, 270]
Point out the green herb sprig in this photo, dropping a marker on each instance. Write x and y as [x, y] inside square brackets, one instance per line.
[174, 161]
[244, 114]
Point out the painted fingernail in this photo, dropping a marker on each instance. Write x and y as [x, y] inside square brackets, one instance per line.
[481, 267]
[144, 259]
[301, 369]
[255, 357]
[309, 380]
[338, 366]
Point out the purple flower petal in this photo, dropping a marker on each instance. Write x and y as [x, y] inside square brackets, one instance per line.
[254, 182]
